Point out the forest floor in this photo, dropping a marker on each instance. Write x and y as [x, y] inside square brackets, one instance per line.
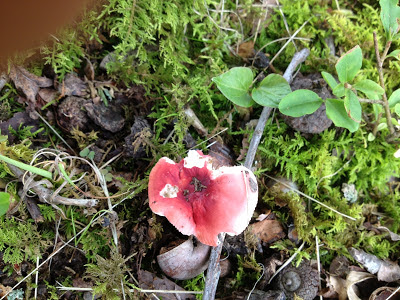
[95, 108]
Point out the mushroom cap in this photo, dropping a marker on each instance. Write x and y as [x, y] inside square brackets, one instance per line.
[199, 200]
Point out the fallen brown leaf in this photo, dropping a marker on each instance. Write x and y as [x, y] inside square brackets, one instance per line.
[72, 86]
[268, 230]
[246, 50]
[386, 270]
[48, 95]
[28, 83]
[352, 280]
[148, 280]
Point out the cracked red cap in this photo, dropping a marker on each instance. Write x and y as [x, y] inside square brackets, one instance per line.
[199, 200]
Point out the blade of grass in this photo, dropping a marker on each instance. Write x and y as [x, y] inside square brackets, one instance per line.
[27, 167]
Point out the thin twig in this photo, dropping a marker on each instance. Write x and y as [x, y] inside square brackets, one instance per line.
[36, 277]
[284, 21]
[382, 82]
[256, 138]
[214, 269]
[392, 294]
[59, 249]
[287, 262]
[78, 289]
[318, 263]
[298, 58]
[371, 101]
[310, 198]
[258, 280]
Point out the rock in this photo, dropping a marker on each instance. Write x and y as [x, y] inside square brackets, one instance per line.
[71, 115]
[107, 117]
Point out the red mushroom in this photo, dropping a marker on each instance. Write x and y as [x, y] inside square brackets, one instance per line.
[202, 201]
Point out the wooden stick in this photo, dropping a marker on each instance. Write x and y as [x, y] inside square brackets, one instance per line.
[214, 268]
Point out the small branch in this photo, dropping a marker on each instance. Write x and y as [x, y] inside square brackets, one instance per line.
[298, 58]
[371, 101]
[385, 52]
[214, 270]
[256, 138]
[382, 82]
[46, 195]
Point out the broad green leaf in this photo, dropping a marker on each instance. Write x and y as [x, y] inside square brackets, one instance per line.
[235, 85]
[337, 113]
[395, 54]
[300, 103]
[349, 64]
[397, 109]
[330, 80]
[394, 98]
[4, 202]
[338, 91]
[390, 12]
[352, 105]
[271, 90]
[370, 88]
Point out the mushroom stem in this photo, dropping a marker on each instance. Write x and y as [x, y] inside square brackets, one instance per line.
[214, 268]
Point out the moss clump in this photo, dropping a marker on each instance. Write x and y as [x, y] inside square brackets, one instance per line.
[22, 240]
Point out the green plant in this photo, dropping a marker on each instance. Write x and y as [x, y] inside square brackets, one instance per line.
[65, 54]
[345, 110]
[109, 276]
[195, 284]
[24, 132]
[22, 241]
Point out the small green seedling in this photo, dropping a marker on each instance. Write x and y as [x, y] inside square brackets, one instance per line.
[345, 110]
[274, 91]
[87, 153]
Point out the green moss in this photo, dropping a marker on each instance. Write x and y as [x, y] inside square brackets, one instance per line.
[22, 240]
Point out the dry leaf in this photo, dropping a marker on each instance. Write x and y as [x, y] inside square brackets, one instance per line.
[352, 280]
[89, 69]
[386, 270]
[72, 86]
[148, 280]
[384, 293]
[28, 83]
[48, 95]
[339, 266]
[268, 230]
[4, 290]
[337, 285]
[246, 50]
[393, 236]
[389, 271]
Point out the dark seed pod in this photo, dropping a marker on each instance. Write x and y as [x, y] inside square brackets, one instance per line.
[302, 281]
[291, 281]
